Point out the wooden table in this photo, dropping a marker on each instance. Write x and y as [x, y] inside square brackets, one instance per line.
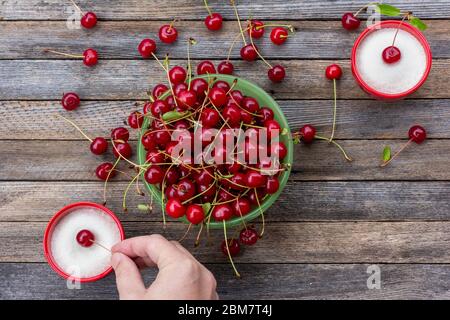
[333, 220]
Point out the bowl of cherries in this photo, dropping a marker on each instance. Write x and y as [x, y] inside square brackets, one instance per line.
[215, 150]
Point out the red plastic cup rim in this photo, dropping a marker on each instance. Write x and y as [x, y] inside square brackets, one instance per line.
[55, 219]
[406, 27]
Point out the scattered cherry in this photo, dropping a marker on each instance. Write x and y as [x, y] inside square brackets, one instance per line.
[206, 67]
[177, 75]
[85, 238]
[248, 236]
[333, 72]
[70, 101]
[417, 134]
[255, 29]
[90, 57]
[308, 133]
[147, 47]
[279, 35]
[214, 21]
[276, 73]
[391, 54]
[175, 208]
[120, 133]
[248, 52]
[103, 170]
[99, 146]
[350, 21]
[135, 120]
[122, 150]
[89, 20]
[233, 247]
[168, 33]
[225, 67]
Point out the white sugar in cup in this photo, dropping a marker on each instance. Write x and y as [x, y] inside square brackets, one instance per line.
[396, 80]
[66, 256]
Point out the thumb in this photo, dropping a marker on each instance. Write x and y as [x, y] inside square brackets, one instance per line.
[128, 278]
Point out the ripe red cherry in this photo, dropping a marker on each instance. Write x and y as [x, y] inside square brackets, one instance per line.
[350, 22]
[255, 200]
[148, 142]
[233, 247]
[333, 72]
[135, 120]
[122, 149]
[209, 117]
[266, 113]
[146, 48]
[222, 212]
[175, 208]
[218, 97]
[222, 85]
[90, 57]
[200, 87]
[248, 52]
[276, 73]
[195, 214]
[417, 134]
[89, 20]
[256, 29]
[154, 156]
[250, 104]
[308, 133]
[99, 146]
[206, 67]
[241, 207]
[70, 101]
[172, 176]
[279, 150]
[279, 35]
[103, 170]
[273, 128]
[154, 174]
[85, 238]
[180, 87]
[159, 107]
[186, 189]
[225, 67]
[213, 21]
[187, 99]
[120, 133]
[391, 54]
[248, 236]
[255, 179]
[177, 75]
[168, 33]
[272, 185]
[158, 90]
[232, 114]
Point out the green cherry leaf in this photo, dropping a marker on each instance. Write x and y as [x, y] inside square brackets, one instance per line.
[387, 153]
[387, 10]
[173, 115]
[419, 24]
[206, 207]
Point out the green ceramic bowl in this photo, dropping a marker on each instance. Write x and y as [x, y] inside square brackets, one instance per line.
[248, 89]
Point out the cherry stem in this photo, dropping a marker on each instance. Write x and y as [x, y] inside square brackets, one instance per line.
[362, 9]
[207, 8]
[239, 20]
[228, 249]
[197, 239]
[64, 54]
[262, 214]
[199, 194]
[107, 179]
[190, 42]
[398, 28]
[185, 233]
[257, 51]
[100, 245]
[172, 23]
[76, 6]
[384, 164]
[334, 111]
[337, 145]
[75, 126]
[124, 200]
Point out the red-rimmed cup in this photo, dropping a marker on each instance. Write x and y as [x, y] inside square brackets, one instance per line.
[53, 222]
[405, 27]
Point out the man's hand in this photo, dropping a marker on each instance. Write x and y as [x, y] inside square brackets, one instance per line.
[180, 275]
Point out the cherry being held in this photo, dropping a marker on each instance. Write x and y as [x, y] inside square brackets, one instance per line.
[85, 238]
[168, 33]
[214, 20]
[70, 101]
[350, 21]
[147, 48]
[416, 134]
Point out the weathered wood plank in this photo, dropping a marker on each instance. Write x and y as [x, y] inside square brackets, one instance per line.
[357, 119]
[326, 242]
[119, 40]
[301, 201]
[71, 160]
[129, 79]
[293, 281]
[191, 9]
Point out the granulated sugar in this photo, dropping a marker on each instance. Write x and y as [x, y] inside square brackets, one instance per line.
[74, 259]
[391, 78]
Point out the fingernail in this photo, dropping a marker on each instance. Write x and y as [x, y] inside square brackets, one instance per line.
[115, 259]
